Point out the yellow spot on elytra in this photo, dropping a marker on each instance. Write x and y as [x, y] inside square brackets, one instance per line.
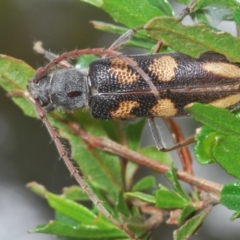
[124, 75]
[164, 108]
[227, 70]
[124, 109]
[226, 102]
[163, 68]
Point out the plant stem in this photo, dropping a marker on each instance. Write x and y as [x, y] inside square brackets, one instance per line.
[115, 148]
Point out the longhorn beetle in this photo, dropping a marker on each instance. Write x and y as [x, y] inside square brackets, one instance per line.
[117, 88]
[122, 87]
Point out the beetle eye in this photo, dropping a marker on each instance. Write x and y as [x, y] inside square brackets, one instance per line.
[74, 94]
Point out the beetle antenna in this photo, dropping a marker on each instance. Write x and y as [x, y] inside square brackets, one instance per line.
[73, 171]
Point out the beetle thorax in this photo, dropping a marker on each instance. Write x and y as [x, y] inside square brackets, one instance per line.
[66, 89]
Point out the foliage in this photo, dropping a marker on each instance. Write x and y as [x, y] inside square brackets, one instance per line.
[216, 141]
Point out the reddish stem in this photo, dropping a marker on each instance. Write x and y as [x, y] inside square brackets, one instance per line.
[178, 137]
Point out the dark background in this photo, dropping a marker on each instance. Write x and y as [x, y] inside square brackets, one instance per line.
[25, 150]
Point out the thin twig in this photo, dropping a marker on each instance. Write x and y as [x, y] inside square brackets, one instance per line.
[54, 135]
[115, 148]
[187, 10]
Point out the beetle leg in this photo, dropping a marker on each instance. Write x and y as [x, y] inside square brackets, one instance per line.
[157, 137]
[124, 38]
[156, 134]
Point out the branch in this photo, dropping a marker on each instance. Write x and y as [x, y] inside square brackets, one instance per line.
[115, 148]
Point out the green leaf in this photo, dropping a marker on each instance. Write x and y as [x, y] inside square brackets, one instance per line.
[121, 206]
[79, 232]
[226, 153]
[186, 212]
[142, 196]
[75, 193]
[192, 40]
[236, 16]
[101, 168]
[112, 129]
[131, 169]
[221, 145]
[144, 184]
[221, 120]
[168, 199]
[164, 6]
[235, 216]
[87, 122]
[72, 209]
[196, 196]
[139, 13]
[172, 176]
[191, 226]
[199, 17]
[38, 189]
[133, 133]
[60, 217]
[108, 27]
[16, 71]
[138, 40]
[84, 61]
[14, 75]
[217, 3]
[186, 2]
[205, 141]
[230, 196]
